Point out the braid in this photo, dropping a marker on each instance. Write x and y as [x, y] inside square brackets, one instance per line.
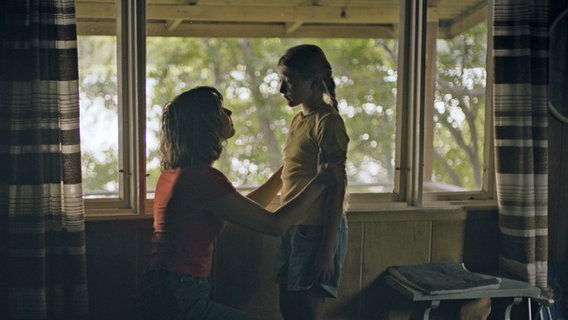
[330, 88]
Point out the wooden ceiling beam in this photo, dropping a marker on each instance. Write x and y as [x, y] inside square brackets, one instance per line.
[171, 25]
[315, 14]
[466, 21]
[222, 30]
[291, 19]
[293, 26]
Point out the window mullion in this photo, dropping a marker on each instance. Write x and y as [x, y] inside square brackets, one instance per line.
[131, 66]
[412, 57]
[488, 152]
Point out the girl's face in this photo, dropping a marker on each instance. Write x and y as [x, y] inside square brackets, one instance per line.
[294, 88]
[227, 128]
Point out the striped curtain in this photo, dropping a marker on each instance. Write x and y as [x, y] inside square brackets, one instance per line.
[42, 226]
[521, 143]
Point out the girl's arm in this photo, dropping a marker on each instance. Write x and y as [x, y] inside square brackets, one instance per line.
[333, 212]
[324, 267]
[264, 193]
[331, 216]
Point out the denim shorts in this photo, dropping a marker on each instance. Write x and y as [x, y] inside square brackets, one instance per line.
[168, 295]
[295, 254]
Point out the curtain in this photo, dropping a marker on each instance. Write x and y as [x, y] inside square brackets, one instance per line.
[42, 227]
[520, 100]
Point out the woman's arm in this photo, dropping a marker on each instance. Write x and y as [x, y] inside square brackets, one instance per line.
[244, 212]
[264, 194]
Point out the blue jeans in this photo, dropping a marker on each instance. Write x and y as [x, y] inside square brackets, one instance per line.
[166, 295]
[295, 254]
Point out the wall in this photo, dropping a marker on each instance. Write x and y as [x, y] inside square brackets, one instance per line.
[558, 168]
[118, 249]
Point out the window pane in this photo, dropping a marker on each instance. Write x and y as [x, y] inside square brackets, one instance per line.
[455, 103]
[99, 115]
[244, 70]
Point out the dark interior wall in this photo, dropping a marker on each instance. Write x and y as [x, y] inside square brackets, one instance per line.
[558, 174]
[558, 191]
[118, 249]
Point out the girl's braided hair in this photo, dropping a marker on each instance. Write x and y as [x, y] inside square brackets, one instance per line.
[310, 61]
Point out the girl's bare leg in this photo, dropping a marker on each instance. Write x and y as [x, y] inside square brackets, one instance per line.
[302, 305]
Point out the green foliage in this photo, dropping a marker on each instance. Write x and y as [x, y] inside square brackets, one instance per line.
[97, 71]
[365, 73]
[244, 70]
[459, 112]
[100, 174]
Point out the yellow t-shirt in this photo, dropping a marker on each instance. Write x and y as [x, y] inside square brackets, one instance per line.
[322, 129]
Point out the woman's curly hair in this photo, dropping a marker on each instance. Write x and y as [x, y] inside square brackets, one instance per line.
[190, 131]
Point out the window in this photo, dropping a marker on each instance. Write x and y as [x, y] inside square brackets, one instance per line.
[99, 115]
[417, 133]
[454, 103]
[247, 76]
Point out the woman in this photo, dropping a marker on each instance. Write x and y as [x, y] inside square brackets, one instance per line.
[192, 202]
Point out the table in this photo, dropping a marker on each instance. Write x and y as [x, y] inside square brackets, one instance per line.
[512, 292]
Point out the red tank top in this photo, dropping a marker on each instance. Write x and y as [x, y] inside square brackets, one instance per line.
[183, 232]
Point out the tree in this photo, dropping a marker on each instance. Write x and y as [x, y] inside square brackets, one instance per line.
[459, 109]
[244, 70]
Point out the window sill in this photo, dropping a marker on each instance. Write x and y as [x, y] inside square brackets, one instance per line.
[361, 206]
[115, 214]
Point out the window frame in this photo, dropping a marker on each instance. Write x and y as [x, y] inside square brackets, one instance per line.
[408, 188]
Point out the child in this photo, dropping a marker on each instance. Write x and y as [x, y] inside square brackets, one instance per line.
[311, 253]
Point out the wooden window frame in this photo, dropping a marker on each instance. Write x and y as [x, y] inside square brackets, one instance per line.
[410, 132]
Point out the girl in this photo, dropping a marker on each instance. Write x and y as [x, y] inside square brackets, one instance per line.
[192, 202]
[311, 252]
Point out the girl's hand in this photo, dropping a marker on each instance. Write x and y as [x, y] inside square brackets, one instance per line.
[323, 266]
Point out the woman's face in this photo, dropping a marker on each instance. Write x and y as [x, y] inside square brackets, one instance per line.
[294, 88]
[227, 127]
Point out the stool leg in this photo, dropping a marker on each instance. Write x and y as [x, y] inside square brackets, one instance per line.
[540, 314]
[516, 300]
[433, 305]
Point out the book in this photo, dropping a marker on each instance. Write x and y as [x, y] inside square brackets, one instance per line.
[442, 278]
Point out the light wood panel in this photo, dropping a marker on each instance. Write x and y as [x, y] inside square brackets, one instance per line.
[448, 241]
[117, 252]
[393, 243]
[292, 17]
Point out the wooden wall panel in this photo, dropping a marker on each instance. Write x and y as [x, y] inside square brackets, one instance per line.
[347, 304]
[385, 244]
[392, 243]
[242, 275]
[117, 252]
[112, 278]
[447, 241]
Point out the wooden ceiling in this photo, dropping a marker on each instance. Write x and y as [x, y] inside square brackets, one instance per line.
[279, 18]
